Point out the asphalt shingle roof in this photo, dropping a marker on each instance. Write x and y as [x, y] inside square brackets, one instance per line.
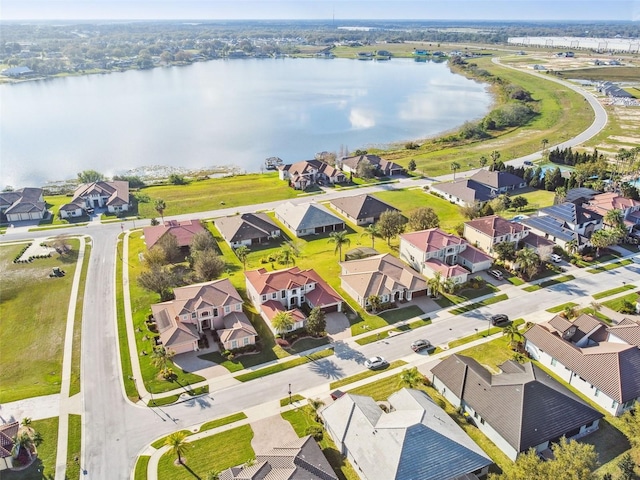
[307, 216]
[362, 206]
[248, 226]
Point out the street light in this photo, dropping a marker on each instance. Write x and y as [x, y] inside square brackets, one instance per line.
[289, 394]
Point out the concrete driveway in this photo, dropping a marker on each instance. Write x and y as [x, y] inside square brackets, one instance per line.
[271, 432]
[338, 326]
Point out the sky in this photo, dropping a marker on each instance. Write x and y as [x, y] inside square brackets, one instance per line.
[320, 9]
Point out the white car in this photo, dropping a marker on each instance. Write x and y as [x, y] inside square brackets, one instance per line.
[375, 363]
[556, 258]
[496, 273]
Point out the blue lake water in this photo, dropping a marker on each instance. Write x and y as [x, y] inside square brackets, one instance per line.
[224, 112]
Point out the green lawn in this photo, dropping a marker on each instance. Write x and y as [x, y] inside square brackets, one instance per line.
[617, 303]
[610, 266]
[483, 303]
[141, 467]
[491, 354]
[613, 291]
[481, 334]
[549, 283]
[236, 417]
[45, 465]
[279, 367]
[74, 442]
[210, 454]
[402, 328]
[363, 375]
[74, 386]
[34, 309]
[400, 314]
[560, 308]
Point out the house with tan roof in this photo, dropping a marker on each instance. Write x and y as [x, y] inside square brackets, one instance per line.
[214, 306]
[22, 204]
[433, 250]
[310, 172]
[415, 439]
[308, 219]
[384, 276]
[486, 232]
[384, 168]
[289, 290]
[520, 408]
[184, 231]
[114, 196]
[361, 209]
[600, 361]
[606, 202]
[247, 229]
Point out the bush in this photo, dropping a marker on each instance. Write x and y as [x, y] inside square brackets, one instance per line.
[315, 431]
[282, 343]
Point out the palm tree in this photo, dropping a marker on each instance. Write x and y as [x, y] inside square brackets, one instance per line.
[372, 231]
[545, 143]
[213, 475]
[411, 377]
[286, 255]
[483, 161]
[374, 302]
[572, 246]
[160, 207]
[242, 252]
[601, 239]
[315, 404]
[177, 444]
[282, 321]
[449, 285]
[513, 333]
[161, 356]
[22, 441]
[495, 155]
[596, 306]
[435, 284]
[340, 239]
[569, 312]
[528, 260]
[455, 166]
[614, 218]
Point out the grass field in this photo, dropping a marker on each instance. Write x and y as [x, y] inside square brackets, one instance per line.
[44, 467]
[74, 442]
[74, 386]
[33, 308]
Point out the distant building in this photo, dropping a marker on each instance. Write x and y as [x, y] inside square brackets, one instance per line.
[17, 72]
[23, 204]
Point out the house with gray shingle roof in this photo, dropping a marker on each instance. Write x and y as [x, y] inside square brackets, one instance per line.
[385, 168]
[520, 408]
[361, 209]
[310, 172]
[416, 439]
[480, 187]
[601, 362]
[22, 204]
[308, 219]
[382, 275]
[114, 196]
[247, 229]
[300, 459]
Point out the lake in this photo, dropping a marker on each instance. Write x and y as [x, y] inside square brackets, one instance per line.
[224, 112]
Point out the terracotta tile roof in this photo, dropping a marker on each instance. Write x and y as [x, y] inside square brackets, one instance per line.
[236, 326]
[184, 232]
[272, 307]
[474, 255]
[447, 271]
[8, 431]
[495, 226]
[627, 330]
[606, 202]
[432, 240]
[361, 206]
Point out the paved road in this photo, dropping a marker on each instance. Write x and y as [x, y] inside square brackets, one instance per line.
[115, 430]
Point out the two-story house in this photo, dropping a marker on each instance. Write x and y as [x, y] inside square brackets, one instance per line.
[384, 168]
[310, 172]
[606, 202]
[601, 362]
[433, 250]
[114, 196]
[196, 309]
[288, 290]
[486, 232]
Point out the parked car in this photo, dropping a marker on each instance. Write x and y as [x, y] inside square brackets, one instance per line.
[500, 320]
[496, 273]
[556, 258]
[528, 163]
[376, 363]
[421, 345]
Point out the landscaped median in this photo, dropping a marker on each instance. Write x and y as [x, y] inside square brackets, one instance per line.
[548, 283]
[613, 291]
[475, 305]
[362, 375]
[610, 266]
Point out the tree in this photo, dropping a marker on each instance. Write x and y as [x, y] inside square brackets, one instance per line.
[455, 166]
[178, 445]
[202, 241]
[177, 179]
[22, 441]
[161, 356]
[505, 251]
[155, 257]
[529, 261]
[411, 377]
[208, 265]
[391, 223]
[434, 284]
[545, 143]
[286, 255]
[602, 239]
[495, 155]
[340, 239]
[90, 176]
[630, 425]
[365, 169]
[412, 165]
[374, 302]
[160, 207]
[423, 218]
[614, 218]
[282, 322]
[513, 333]
[627, 467]
[158, 280]
[242, 252]
[60, 245]
[483, 161]
[571, 246]
[169, 244]
[315, 404]
[519, 202]
[371, 231]
[500, 203]
[213, 475]
[316, 321]
[471, 211]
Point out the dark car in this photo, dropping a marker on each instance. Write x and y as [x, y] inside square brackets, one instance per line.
[421, 345]
[500, 320]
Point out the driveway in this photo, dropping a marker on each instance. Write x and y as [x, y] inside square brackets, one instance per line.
[338, 326]
[271, 432]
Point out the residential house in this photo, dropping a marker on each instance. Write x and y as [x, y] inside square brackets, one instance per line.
[361, 209]
[384, 276]
[22, 204]
[301, 459]
[564, 223]
[8, 432]
[17, 72]
[308, 219]
[606, 202]
[486, 232]
[384, 168]
[521, 408]
[601, 362]
[289, 290]
[184, 231]
[247, 229]
[415, 439]
[114, 196]
[481, 187]
[310, 172]
[580, 195]
[433, 250]
[214, 306]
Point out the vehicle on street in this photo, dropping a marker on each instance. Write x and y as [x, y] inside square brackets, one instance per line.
[556, 258]
[496, 273]
[376, 363]
[500, 320]
[528, 163]
[421, 344]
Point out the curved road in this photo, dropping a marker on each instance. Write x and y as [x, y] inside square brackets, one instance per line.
[115, 430]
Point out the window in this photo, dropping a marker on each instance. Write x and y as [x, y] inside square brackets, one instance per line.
[264, 298]
[234, 344]
[194, 315]
[597, 393]
[482, 421]
[215, 311]
[226, 309]
[614, 404]
[283, 294]
[204, 314]
[245, 341]
[294, 292]
[238, 307]
[274, 295]
[554, 362]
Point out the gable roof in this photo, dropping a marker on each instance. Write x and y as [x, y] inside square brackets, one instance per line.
[495, 179]
[432, 240]
[380, 275]
[495, 226]
[23, 200]
[466, 189]
[570, 213]
[184, 231]
[447, 271]
[579, 194]
[307, 215]
[116, 192]
[523, 404]
[362, 206]
[247, 226]
[552, 226]
[627, 330]
[305, 167]
[612, 367]
[417, 440]
[474, 255]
